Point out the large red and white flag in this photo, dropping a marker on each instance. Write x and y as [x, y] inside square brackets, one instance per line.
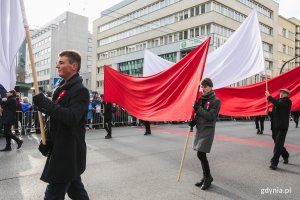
[240, 57]
[166, 96]
[250, 100]
[12, 36]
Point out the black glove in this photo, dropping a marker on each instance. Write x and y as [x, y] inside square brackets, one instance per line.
[44, 149]
[192, 123]
[196, 106]
[37, 99]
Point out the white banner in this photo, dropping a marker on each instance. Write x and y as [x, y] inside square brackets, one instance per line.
[240, 57]
[12, 36]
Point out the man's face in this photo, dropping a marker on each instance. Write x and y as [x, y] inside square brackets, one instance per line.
[206, 89]
[283, 94]
[65, 69]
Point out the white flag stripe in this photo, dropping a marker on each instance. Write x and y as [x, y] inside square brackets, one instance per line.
[12, 35]
[240, 57]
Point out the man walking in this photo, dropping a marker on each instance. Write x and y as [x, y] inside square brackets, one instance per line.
[280, 124]
[65, 147]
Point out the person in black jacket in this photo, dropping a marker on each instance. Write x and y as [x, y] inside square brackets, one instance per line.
[147, 128]
[259, 123]
[65, 146]
[280, 123]
[107, 112]
[296, 115]
[9, 113]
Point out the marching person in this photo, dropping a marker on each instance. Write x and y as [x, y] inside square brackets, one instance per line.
[147, 128]
[108, 112]
[296, 115]
[259, 123]
[9, 113]
[280, 123]
[65, 146]
[206, 109]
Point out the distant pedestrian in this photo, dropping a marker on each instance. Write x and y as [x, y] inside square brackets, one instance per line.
[280, 117]
[147, 128]
[259, 123]
[296, 115]
[108, 112]
[9, 113]
[206, 109]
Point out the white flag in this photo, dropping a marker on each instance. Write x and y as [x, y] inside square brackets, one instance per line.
[12, 36]
[240, 57]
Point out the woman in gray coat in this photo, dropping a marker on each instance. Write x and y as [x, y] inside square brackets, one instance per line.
[206, 108]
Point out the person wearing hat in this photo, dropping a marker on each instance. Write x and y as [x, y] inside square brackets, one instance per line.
[206, 109]
[280, 117]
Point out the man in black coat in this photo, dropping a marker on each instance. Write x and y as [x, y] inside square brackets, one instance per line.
[107, 112]
[65, 147]
[8, 104]
[280, 124]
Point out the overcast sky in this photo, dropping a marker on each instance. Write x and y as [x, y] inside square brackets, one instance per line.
[40, 12]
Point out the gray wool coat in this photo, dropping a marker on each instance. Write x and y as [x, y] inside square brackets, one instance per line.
[205, 120]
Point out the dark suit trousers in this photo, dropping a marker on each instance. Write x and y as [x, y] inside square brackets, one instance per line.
[261, 123]
[75, 190]
[278, 136]
[8, 135]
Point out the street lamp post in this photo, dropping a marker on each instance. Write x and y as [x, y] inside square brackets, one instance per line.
[287, 62]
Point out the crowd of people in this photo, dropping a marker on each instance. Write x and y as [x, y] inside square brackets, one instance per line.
[71, 110]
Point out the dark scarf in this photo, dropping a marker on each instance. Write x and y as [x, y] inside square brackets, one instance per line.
[209, 96]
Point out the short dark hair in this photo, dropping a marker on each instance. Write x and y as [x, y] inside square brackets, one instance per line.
[13, 92]
[73, 56]
[207, 82]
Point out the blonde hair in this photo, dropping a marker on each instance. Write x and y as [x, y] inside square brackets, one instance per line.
[25, 99]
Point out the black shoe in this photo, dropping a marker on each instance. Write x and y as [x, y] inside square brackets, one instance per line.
[7, 148]
[285, 160]
[20, 142]
[262, 132]
[199, 184]
[147, 133]
[273, 167]
[207, 182]
[107, 137]
[258, 132]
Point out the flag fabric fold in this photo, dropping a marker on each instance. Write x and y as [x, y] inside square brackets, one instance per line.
[166, 96]
[12, 36]
[240, 57]
[251, 100]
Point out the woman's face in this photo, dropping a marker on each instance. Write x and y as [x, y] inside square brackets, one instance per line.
[206, 89]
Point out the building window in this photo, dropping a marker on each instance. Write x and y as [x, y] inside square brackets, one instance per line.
[132, 68]
[284, 32]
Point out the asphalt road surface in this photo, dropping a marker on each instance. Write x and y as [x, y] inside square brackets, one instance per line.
[131, 166]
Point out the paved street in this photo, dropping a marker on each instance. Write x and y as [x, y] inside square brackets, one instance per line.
[132, 166]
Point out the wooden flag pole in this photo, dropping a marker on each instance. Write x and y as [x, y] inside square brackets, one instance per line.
[184, 153]
[267, 88]
[186, 141]
[34, 75]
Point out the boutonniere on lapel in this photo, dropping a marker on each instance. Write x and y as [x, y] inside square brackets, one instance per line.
[207, 105]
[61, 94]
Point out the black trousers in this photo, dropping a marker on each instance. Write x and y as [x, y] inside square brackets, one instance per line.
[147, 126]
[107, 126]
[75, 190]
[296, 119]
[278, 136]
[8, 135]
[259, 121]
[204, 163]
